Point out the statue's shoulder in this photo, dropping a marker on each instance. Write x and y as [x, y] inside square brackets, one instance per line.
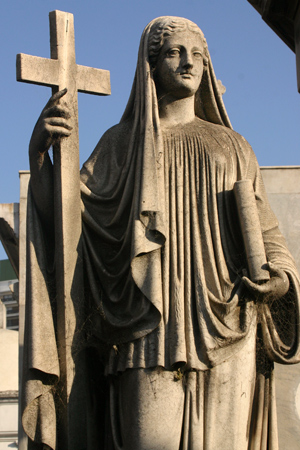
[114, 139]
[228, 137]
[110, 150]
[118, 133]
[218, 129]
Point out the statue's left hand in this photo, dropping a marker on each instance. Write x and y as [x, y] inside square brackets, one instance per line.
[271, 290]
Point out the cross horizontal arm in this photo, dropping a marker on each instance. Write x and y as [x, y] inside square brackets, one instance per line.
[36, 70]
[93, 81]
[59, 72]
[45, 72]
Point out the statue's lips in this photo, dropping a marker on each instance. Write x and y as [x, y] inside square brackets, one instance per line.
[186, 75]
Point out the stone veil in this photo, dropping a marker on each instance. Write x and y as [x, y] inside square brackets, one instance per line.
[163, 266]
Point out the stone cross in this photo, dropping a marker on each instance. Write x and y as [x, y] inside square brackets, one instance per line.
[59, 72]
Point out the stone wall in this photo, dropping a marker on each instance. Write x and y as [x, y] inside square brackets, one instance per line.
[283, 188]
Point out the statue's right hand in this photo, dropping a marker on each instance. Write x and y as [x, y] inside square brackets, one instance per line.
[52, 125]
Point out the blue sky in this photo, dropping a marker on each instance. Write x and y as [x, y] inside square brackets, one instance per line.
[256, 67]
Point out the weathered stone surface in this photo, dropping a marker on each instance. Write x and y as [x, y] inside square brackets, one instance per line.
[24, 181]
[62, 72]
[283, 189]
[168, 312]
[250, 226]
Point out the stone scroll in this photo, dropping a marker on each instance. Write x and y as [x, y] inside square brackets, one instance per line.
[251, 231]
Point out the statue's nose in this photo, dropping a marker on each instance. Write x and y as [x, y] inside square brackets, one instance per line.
[188, 60]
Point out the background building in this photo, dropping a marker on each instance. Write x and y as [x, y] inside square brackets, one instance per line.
[9, 354]
[9, 301]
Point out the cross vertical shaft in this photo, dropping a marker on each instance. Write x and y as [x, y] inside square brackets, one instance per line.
[67, 220]
[59, 72]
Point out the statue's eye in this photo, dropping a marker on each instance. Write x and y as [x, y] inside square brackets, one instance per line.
[197, 55]
[174, 52]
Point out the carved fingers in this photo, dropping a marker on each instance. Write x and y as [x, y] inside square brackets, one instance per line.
[275, 288]
[52, 125]
[56, 115]
[55, 98]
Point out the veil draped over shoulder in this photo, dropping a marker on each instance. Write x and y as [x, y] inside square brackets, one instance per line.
[123, 231]
[140, 184]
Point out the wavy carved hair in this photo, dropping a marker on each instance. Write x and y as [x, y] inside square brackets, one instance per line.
[164, 27]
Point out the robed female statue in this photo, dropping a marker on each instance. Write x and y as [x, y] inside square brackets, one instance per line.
[180, 343]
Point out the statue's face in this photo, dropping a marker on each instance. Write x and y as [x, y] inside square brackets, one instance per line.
[179, 67]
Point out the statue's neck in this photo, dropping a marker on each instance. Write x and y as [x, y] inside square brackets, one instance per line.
[173, 111]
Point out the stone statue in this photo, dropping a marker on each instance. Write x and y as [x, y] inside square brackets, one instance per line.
[179, 342]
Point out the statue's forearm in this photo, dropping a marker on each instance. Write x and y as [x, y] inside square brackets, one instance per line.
[51, 126]
[41, 170]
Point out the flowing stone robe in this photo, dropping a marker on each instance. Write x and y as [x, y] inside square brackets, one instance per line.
[163, 260]
[198, 307]
[200, 315]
